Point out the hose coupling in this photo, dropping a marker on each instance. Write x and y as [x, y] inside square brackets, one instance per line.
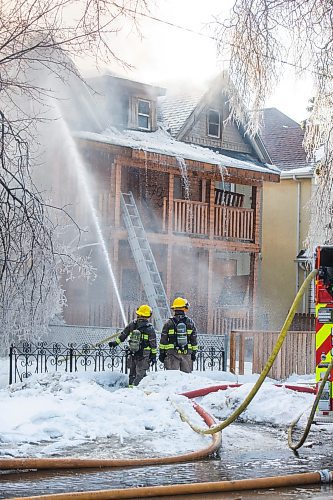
[325, 476]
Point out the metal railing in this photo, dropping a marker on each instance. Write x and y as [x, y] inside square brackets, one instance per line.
[30, 358]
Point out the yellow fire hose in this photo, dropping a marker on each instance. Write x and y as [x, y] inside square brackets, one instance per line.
[284, 330]
[291, 444]
[323, 476]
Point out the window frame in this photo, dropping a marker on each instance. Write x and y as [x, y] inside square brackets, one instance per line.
[209, 122]
[149, 115]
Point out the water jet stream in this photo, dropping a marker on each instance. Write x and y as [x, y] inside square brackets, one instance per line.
[82, 174]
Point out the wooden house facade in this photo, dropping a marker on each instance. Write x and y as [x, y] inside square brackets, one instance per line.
[197, 182]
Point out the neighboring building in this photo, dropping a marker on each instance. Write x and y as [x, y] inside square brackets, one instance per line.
[197, 183]
[286, 218]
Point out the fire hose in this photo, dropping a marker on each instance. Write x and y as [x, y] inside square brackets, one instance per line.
[294, 446]
[86, 463]
[291, 444]
[323, 476]
[306, 478]
[284, 330]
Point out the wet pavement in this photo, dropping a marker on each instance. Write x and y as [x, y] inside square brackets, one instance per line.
[259, 451]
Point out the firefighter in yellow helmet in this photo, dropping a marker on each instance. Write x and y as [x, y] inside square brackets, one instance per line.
[178, 346]
[141, 342]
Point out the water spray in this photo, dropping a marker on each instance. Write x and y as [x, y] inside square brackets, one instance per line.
[83, 179]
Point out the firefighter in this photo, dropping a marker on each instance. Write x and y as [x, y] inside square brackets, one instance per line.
[178, 346]
[141, 342]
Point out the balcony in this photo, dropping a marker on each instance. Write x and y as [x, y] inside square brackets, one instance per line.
[193, 218]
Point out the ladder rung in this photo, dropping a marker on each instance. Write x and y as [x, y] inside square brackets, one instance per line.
[143, 255]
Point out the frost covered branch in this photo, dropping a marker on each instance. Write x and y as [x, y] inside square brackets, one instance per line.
[38, 39]
[262, 38]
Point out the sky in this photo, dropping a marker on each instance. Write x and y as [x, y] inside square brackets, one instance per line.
[65, 411]
[169, 56]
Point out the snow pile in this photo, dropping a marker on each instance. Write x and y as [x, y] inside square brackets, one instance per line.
[272, 405]
[51, 413]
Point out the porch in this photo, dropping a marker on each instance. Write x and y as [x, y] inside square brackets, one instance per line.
[197, 218]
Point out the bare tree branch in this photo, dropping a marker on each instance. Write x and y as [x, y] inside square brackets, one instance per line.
[38, 38]
[260, 37]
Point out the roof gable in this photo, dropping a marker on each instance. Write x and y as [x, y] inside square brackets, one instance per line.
[186, 117]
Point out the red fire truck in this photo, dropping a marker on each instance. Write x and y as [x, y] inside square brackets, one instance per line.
[324, 328]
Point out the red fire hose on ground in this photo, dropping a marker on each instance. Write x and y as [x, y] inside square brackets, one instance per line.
[324, 476]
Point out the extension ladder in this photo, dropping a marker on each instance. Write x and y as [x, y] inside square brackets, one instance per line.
[145, 261]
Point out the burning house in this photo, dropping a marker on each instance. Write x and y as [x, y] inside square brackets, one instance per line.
[177, 189]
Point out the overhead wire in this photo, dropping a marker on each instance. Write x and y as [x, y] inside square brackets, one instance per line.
[216, 39]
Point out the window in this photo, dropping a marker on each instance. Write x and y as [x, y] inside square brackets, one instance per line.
[144, 114]
[213, 123]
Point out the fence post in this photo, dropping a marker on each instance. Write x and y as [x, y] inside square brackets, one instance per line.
[233, 347]
[71, 359]
[225, 352]
[11, 365]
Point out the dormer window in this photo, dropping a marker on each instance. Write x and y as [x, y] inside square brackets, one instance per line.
[144, 114]
[214, 123]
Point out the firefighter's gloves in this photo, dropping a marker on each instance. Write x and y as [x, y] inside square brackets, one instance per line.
[152, 359]
[193, 356]
[162, 356]
[112, 344]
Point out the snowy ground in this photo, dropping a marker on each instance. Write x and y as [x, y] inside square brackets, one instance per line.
[65, 414]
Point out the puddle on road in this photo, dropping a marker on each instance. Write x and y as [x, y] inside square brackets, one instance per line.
[258, 451]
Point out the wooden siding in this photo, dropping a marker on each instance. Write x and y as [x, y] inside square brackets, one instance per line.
[297, 354]
[304, 321]
[196, 132]
[188, 237]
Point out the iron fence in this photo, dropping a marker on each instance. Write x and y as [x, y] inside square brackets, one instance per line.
[31, 358]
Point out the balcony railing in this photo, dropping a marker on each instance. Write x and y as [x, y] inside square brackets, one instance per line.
[233, 222]
[192, 217]
[226, 319]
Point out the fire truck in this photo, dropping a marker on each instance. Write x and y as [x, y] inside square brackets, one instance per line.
[324, 329]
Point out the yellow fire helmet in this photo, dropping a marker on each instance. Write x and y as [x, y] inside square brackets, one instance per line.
[145, 311]
[180, 303]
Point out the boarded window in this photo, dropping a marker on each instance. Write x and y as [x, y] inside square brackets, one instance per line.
[214, 123]
[144, 114]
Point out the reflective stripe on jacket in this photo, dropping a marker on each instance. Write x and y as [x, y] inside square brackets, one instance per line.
[148, 335]
[169, 335]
